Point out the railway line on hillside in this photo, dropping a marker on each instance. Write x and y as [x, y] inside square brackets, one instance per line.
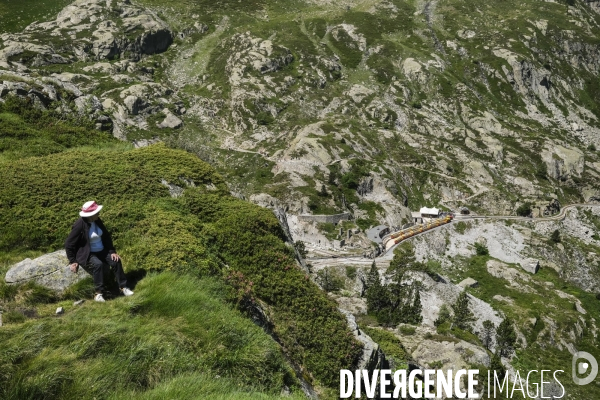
[388, 254]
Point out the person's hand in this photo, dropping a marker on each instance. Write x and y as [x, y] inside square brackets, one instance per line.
[74, 267]
[115, 257]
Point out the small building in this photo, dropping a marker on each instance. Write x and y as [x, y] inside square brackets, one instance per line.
[429, 212]
[416, 217]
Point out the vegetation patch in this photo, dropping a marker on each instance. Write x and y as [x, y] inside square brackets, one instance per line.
[204, 235]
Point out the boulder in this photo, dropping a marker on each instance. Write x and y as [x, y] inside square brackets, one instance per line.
[469, 282]
[88, 104]
[134, 104]
[563, 163]
[530, 265]
[50, 270]
[170, 121]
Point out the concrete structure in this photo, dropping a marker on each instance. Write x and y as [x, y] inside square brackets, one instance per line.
[332, 219]
[416, 217]
[429, 214]
[338, 244]
[376, 233]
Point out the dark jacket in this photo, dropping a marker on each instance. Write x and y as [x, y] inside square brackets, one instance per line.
[77, 244]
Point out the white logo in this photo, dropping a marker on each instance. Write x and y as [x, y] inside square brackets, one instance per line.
[580, 368]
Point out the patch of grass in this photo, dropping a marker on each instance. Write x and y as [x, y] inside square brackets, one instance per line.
[17, 14]
[391, 346]
[461, 227]
[407, 330]
[175, 325]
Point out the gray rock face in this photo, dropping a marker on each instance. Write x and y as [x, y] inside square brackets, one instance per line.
[134, 104]
[170, 121]
[50, 270]
[453, 355]
[88, 104]
[365, 186]
[372, 356]
[530, 265]
[562, 162]
[132, 33]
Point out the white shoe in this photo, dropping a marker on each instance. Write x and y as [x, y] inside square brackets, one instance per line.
[99, 298]
[126, 292]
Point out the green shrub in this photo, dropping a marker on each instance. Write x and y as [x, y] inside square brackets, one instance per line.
[481, 249]
[329, 280]
[555, 237]
[460, 227]
[28, 131]
[524, 210]
[443, 316]
[249, 239]
[407, 330]
[391, 346]
[351, 272]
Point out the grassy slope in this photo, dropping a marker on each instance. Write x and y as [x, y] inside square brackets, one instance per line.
[175, 327]
[220, 244]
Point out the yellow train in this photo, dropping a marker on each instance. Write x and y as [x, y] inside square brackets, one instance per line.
[404, 234]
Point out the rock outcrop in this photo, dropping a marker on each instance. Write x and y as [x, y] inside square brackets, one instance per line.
[50, 270]
[372, 357]
[99, 30]
[563, 163]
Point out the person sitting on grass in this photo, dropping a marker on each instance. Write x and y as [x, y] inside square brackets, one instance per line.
[90, 246]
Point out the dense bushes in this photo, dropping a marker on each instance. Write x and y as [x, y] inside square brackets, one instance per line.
[28, 131]
[307, 323]
[40, 197]
[398, 301]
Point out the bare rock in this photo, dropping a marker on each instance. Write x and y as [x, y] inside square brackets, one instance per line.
[50, 270]
[88, 104]
[170, 121]
[562, 162]
[372, 356]
[452, 355]
[469, 282]
[530, 265]
[134, 104]
[504, 299]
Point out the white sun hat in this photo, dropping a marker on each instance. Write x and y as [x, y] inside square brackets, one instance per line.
[90, 208]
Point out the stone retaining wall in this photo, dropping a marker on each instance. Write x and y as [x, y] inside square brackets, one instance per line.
[333, 219]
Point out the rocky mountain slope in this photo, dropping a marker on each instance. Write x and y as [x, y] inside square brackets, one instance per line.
[368, 107]
[438, 102]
